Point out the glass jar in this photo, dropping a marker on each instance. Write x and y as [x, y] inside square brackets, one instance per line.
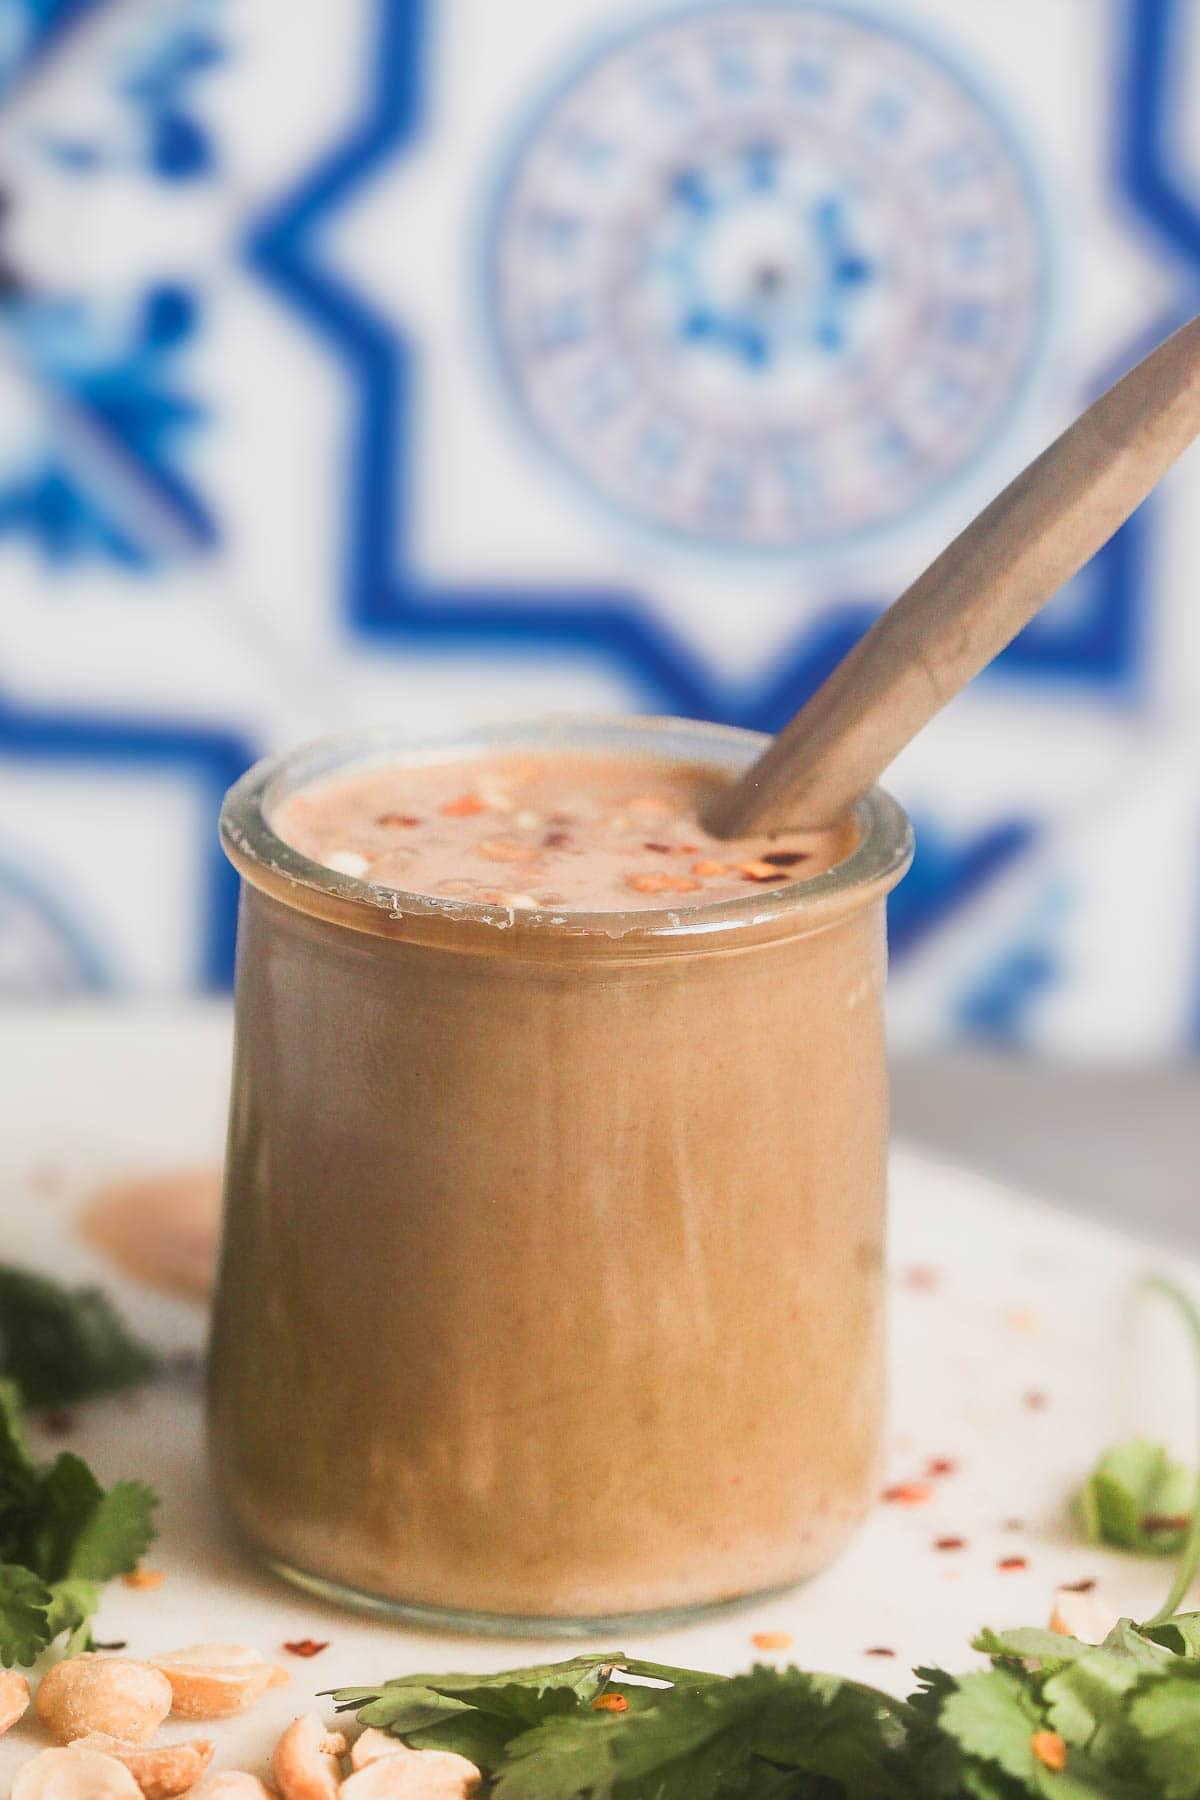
[551, 1289]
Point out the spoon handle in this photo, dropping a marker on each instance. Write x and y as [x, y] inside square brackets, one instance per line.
[974, 598]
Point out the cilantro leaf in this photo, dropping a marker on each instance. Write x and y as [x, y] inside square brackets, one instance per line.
[73, 1605]
[1165, 1720]
[1137, 1499]
[116, 1534]
[1029, 1641]
[1180, 1634]
[993, 1715]
[24, 1606]
[60, 1344]
[1087, 1703]
[683, 1748]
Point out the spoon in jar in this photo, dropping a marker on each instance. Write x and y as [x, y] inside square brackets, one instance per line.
[973, 599]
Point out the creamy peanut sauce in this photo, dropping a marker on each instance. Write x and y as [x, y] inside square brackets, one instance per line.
[569, 834]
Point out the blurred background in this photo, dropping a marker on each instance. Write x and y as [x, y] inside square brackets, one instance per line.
[422, 360]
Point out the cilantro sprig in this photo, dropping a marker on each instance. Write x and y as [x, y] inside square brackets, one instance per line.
[62, 1536]
[1137, 1498]
[60, 1344]
[1049, 1718]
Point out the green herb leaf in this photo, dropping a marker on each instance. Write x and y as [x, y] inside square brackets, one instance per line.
[61, 1536]
[1165, 1720]
[61, 1344]
[1029, 1641]
[1137, 1499]
[73, 1605]
[24, 1607]
[1180, 1634]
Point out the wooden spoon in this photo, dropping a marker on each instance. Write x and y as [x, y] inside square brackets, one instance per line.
[974, 598]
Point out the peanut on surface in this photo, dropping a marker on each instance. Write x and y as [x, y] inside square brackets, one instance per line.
[74, 1774]
[160, 1770]
[231, 1784]
[1081, 1615]
[215, 1681]
[305, 1764]
[415, 1775]
[371, 1744]
[127, 1700]
[14, 1697]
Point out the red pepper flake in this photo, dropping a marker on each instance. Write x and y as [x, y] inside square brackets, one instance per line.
[554, 840]
[921, 1280]
[1011, 1564]
[1078, 1587]
[760, 871]
[616, 1703]
[660, 849]
[687, 849]
[772, 1640]
[465, 807]
[879, 1650]
[392, 818]
[1153, 1522]
[785, 859]
[306, 1647]
[908, 1493]
[950, 1543]
[1050, 1749]
[144, 1578]
[1035, 1400]
[58, 1423]
[941, 1465]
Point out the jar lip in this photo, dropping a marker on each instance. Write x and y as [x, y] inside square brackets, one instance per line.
[879, 859]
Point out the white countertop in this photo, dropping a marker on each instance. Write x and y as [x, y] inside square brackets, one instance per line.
[1020, 1350]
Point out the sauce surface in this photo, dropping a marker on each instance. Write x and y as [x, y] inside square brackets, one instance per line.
[554, 833]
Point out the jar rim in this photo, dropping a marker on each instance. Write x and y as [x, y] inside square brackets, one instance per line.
[878, 860]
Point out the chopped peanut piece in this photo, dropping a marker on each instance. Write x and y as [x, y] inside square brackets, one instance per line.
[1050, 1749]
[74, 1774]
[509, 897]
[371, 1744]
[231, 1784]
[417, 1775]
[507, 851]
[89, 1693]
[305, 1764]
[14, 1697]
[1082, 1616]
[160, 1770]
[346, 862]
[215, 1681]
[465, 807]
[654, 883]
[710, 868]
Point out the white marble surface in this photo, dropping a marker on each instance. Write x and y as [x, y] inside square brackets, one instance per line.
[1025, 1302]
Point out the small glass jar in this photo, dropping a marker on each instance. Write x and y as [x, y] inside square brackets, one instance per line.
[552, 1280]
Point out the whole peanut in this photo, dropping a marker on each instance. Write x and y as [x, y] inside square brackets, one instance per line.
[127, 1700]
